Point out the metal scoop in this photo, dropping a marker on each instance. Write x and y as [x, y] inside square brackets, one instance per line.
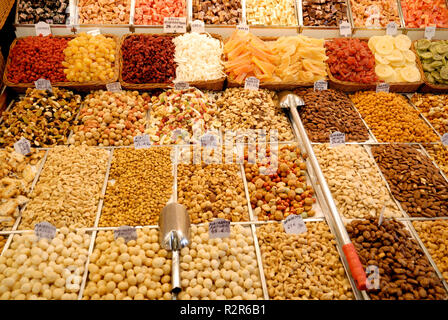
[174, 223]
[288, 99]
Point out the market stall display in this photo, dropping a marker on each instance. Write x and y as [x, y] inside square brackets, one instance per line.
[17, 173]
[104, 11]
[423, 13]
[69, 188]
[44, 118]
[302, 266]
[140, 185]
[34, 11]
[152, 12]
[218, 12]
[434, 108]
[413, 179]
[271, 13]
[374, 13]
[324, 13]
[391, 118]
[328, 111]
[135, 270]
[350, 167]
[220, 269]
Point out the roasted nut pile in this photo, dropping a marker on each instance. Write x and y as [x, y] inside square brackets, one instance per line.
[69, 188]
[111, 118]
[391, 118]
[304, 266]
[104, 11]
[44, 270]
[137, 270]
[328, 111]
[42, 117]
[413, 180]
[218, 11]
[188, 110]
[276, 196]
[374, 13]
[405, 272]
[140, 185]
[434, 235]
[148, 59]
[2, 242]
[17, 173]
[329, 13]
[49, 11]
[244, 110]
[220, 269]
[358, 189]
[90, 58]
[33, 58]
[153, 12]
[438, 153]
[271, 13]
[212, 191]
[434, 108]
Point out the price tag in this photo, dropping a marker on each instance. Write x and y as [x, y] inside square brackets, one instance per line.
[373, 277]
[337, 138]
[209, 140]
[320, 85]
[381, 219]
[126, 232]
[430, 32]
[219, 228]
[181, 85]
[113, 87]
[142, 142]
[175, 24]
[94, 32]
[252, 83]
[382, 87]
[445, 139]
[23, 146]
[42, 28]
[243, 27]
[391, 28]
[45, 230]
[293, 224]
[345, 29]
[198, 26]
[43, 84]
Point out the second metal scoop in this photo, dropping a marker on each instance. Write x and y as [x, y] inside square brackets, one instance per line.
[174, 223]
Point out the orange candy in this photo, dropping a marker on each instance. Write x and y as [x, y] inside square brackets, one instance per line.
[153, 12]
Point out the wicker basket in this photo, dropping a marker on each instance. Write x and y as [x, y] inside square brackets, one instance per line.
[274, 85]
[80, 86]
[2, 68]
[215, 85]
[347, 86]
[427, 86]
[5, 9]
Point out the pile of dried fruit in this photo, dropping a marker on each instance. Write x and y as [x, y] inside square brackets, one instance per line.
[433, 56]
[423, 13]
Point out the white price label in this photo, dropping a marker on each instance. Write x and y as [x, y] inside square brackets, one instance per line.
[391, 28]
[243, 27]
[209, 140]
[94, 32]
[142, 142]
[381, 219]
[345, 29]
[445, 139]
[320, 85]
[337, 138]
[373, 277]
[23, 146]
[219, 228]
[113, 87]
[175, 24]
[198, 26]
[382, 87]
[42, 28]
[126, 232]
[430, 32]
[252, 83]
[294, 224]
[181, 85]
[43, 84]
[45, 230]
